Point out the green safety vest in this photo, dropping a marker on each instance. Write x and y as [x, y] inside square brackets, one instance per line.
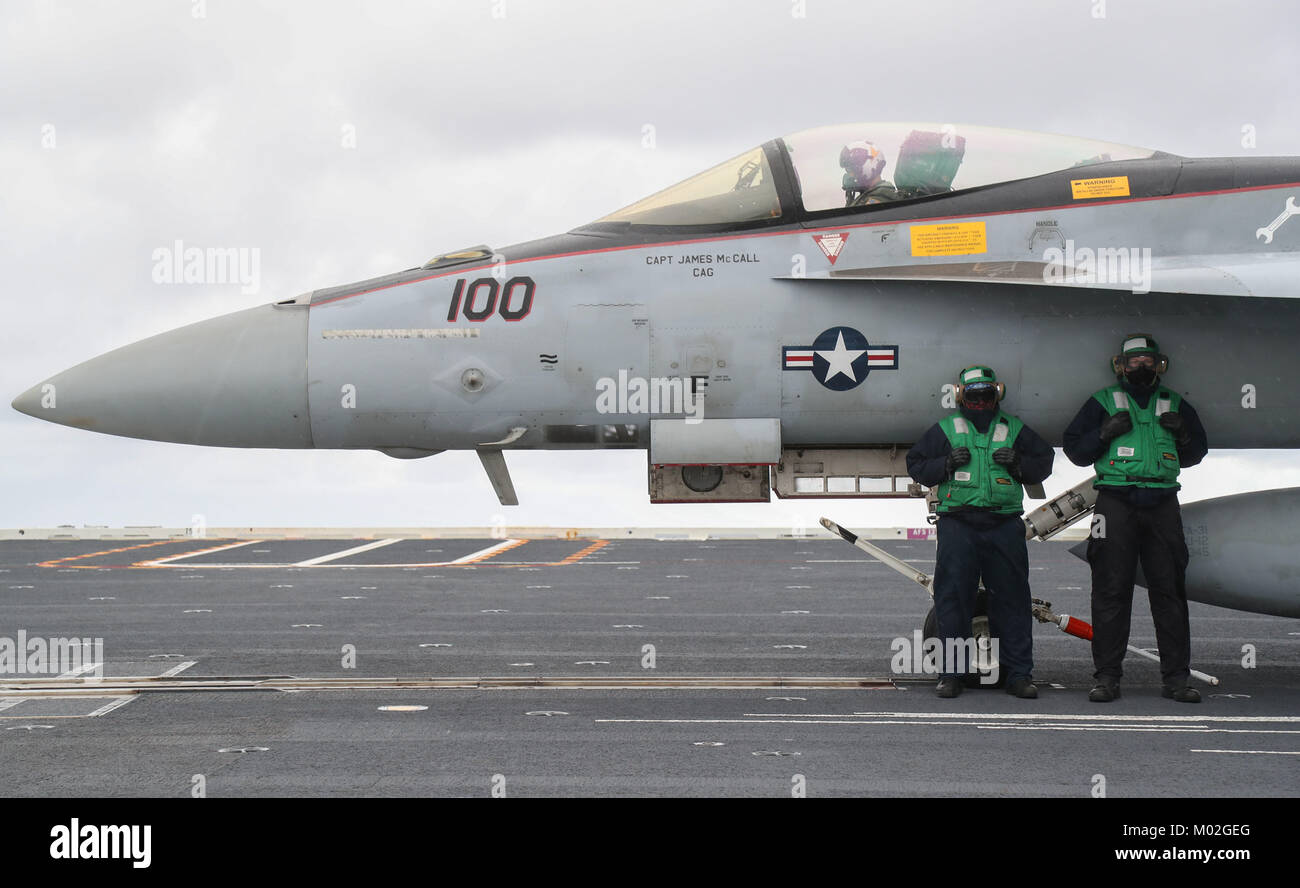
[1146, 456]
[982, 483]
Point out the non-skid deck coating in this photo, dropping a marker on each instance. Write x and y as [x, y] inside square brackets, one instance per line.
[751, 612]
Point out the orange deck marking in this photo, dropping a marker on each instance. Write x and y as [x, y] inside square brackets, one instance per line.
[161, 562]
[57, 561]
[578, 556]
[514, 544]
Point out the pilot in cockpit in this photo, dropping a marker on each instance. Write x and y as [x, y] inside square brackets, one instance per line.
[863, 164]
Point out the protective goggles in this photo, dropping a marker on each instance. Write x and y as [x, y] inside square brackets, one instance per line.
[980, 395]
[1133, 362]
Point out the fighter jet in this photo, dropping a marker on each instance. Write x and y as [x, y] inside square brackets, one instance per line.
[790, 320]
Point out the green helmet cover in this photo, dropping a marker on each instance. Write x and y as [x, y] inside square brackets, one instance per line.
[1139, 344]
[975, 374]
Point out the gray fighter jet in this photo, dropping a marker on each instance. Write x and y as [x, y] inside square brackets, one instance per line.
[790, 320]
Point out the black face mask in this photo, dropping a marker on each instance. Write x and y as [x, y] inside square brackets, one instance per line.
[1141, 377]
[983, 398]
[981, 418]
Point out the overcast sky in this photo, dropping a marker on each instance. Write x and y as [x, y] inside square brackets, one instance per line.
[125, 127]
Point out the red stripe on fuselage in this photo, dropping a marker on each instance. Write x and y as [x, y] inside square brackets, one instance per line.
[791, 231]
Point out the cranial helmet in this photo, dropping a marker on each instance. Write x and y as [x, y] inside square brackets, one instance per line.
[1136, 344]
[972, 384]
[863, 163]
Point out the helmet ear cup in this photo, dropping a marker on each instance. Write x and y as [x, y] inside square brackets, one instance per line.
[1162, 365]
[1116, 364]
[961, 393]
[1002, 391]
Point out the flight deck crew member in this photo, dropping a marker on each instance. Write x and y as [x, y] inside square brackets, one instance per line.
[1137, 435]
[978, 459]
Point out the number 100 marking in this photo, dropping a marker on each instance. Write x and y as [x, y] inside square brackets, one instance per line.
[473, 312]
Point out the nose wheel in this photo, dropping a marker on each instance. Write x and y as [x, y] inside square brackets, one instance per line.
[979, 630]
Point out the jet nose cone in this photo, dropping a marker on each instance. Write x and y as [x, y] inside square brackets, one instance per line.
[29, 402]
[235, 381]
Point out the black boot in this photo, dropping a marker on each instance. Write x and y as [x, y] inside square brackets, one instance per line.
[1104, 692]
[1022, 688]
[948, 687]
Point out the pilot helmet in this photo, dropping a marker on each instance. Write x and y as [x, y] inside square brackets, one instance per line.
[863, 163]
[978, 388]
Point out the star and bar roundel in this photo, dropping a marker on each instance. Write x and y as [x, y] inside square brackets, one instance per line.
[840, 358]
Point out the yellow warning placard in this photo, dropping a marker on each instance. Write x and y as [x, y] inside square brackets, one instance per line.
[952, 239]
[1111, 186]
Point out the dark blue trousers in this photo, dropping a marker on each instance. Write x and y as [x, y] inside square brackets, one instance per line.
[999, 555]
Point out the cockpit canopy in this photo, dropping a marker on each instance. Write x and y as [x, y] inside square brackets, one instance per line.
[861, 165]
[737, 190]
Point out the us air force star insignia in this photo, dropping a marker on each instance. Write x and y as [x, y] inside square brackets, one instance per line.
[841, 361]
[840, 358]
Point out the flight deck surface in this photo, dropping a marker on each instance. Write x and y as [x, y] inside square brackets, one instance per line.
[523, 666]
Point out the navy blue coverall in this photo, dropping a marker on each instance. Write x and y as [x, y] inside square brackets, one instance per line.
[977, 542]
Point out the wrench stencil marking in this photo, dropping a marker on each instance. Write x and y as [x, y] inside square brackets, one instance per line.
[1290, 210]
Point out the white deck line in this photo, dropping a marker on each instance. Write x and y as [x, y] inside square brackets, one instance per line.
[119, 702]
[1037, 716]
[115, 703]
[1064, 726]
[324, 560]
[1249, 751]
[356, 550]
[11, 702]
[459, 563]
[81, 670]
[161, 561]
